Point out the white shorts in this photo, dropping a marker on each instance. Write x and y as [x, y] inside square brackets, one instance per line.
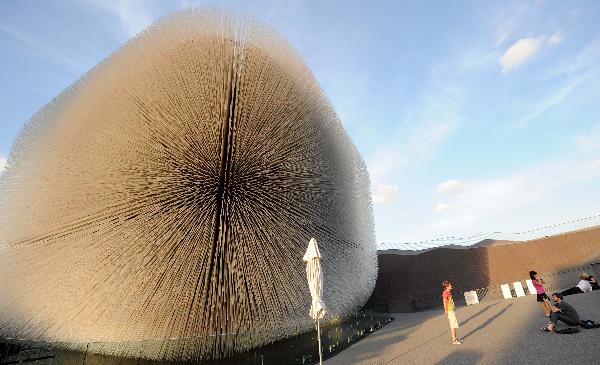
[452, 319]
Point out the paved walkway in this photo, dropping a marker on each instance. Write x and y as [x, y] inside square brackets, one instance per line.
[504, 332]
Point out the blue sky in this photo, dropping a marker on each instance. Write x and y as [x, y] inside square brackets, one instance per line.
[472, 116]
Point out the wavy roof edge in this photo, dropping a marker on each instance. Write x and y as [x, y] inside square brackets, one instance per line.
[490, 239]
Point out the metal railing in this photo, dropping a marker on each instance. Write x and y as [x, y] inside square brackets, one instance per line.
[547, 231]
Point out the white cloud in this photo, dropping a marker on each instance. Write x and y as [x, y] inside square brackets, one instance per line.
[520, 52]
[450, 187]
[589, 142]
[441, 207]
[502, 34]
[386, 194]
[525, 48]
[556, 38]
[3, 163]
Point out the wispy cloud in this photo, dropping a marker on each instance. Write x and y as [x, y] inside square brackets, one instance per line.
[392, 160]
[39, 49]
[574, 72]
[441, 207]
[586, 59]
[450, 187]
[424, 129]
[508, 19]
[502, 33]
[556, 38]
[423, 143]
[589, 142]
[133, 15]
[386, 194]
[496, 198]
[552, 100]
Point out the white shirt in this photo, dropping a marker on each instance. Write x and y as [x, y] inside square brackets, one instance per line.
[584, 285]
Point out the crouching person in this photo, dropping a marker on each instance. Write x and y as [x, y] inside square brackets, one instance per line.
[563, 312]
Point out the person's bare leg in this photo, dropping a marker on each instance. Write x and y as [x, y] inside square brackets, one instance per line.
[545, 308]
[548, 309]
[453, 333]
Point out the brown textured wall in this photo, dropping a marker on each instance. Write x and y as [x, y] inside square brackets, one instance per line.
[407, 282]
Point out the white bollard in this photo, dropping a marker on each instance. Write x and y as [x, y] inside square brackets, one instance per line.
[519, 289]
[506, 291]
[471, 297]
[530, 287]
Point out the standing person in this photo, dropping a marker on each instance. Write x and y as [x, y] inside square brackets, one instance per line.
[542, 298]
[561, 311]
[449, 310]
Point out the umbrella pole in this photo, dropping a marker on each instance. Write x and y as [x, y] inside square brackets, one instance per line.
[319, 335]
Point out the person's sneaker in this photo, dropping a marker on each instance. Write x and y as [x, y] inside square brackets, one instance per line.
[548, 328]
[457, 342]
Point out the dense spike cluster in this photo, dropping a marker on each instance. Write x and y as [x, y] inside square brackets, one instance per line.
[160, 206]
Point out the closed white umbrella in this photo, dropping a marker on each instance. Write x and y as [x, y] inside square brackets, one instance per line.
[314, 275]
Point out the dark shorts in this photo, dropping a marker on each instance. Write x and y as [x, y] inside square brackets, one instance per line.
[542, 297]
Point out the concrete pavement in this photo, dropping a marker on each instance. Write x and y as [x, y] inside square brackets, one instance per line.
[502, 332]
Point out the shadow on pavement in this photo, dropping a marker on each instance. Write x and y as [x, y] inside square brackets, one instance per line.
[478, 313]
[486, 323]
[531, 345]
[392, 334]
[461, 357]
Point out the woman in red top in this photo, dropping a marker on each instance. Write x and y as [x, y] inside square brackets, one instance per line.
[449, 310]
